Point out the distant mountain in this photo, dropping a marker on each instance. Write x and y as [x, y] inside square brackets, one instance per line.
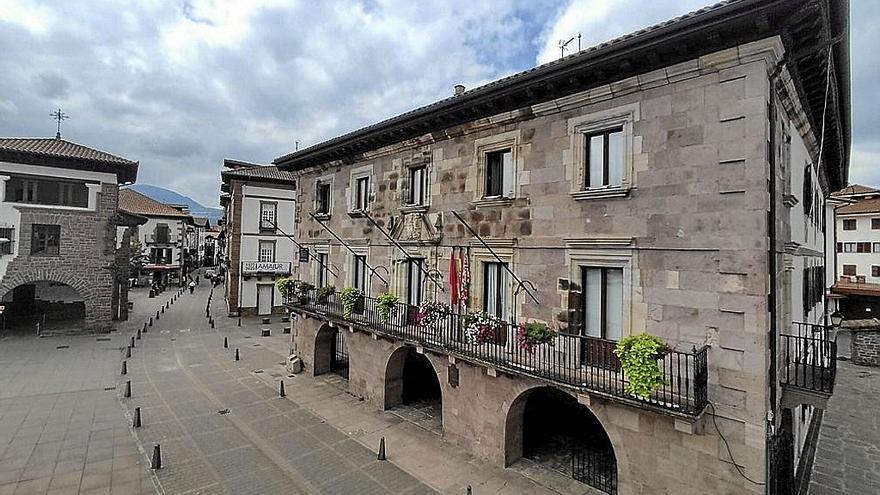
[163, 195]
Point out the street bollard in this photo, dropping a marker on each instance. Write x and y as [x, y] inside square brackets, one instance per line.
[167, 305]
[145, 328]
[163, 310]
[225, 343]
[151, 321]
[124, 368]
[281, 392]
[239, 321]
[212, 322]
[157, 458]
[236, 354]
[138, 337]
[132, 341]
[137, 418]
[128, 352]
[127, 392]
[381, 455]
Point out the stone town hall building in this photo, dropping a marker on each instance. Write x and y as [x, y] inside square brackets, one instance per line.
[671, 181]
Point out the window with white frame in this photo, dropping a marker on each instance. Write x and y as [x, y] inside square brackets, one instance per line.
[604, 155]
[268, 213]
[414, 279]
[267, 251]
[499, 174]
[602, 296]
[418, 185]
[321, 272]
[496, 289]
[359, 272]
[361, 193]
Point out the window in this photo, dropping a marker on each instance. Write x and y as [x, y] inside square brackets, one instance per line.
[359, 274]
[414, 267]
[46, 240]
[361, 193]
[323, 261]
[604, 155]
[161, 256]
[849, 224]
[7, 237]
[322, 198]
[839, 247]
[495, 289]
[849, 247]
[418, 184]
[876, 247]
[808, 194]
[499, 174]
[863, 247]
[813, 287]
[602, 302]
[267, 252]
[875, 224]
[875, 271]
[268, 213]
[162, 234]
[47, 192]
[849, 270]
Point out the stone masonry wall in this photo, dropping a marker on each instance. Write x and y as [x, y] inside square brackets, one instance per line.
[87, 256]
[866, 347]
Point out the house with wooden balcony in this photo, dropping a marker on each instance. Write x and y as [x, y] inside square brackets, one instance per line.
[478, 265]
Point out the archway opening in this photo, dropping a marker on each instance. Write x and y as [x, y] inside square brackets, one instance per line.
[412, 389]
[331, 352]
[553, 431]
[42, 306]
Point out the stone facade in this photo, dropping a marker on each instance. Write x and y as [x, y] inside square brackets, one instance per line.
[866, 347]
[87, 256]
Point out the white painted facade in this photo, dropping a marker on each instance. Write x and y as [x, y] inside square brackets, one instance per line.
[864, 262]
[176, 243]
[10, 212]
[256, 288]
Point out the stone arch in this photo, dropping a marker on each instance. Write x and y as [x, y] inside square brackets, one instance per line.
[589, 426]
[58, 301]
[406, 364]
[323, 359]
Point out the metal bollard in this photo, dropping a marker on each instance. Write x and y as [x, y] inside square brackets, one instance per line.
[138, 337]
[128, 352]
[151, 321]
[281, 392]
[225, 343]
[124, 368]
[239, 321]
[212, 322]
[137, 418]
[132, 341]
[381, 455]
[127, 392]
[157, 458]
[145, 328]
[236, 354]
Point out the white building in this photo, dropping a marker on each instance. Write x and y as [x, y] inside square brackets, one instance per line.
[258, 248]
[163, 238]
[857, 247]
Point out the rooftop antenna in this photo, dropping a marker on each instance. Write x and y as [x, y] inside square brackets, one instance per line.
[59, 116]
[563, 45]
[296, 145]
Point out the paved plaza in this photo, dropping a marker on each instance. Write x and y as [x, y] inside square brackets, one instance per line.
[848, 453]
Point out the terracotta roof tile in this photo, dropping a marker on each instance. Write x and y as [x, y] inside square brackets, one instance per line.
[131, 201]
[863, 206]
[60, 148]
[855, 189]
[259, 172]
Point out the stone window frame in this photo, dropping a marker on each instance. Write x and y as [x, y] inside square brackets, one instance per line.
[399, 275]
[623, 116]
[350, 267]
[267, 227]
[607, 253]
[323, 180]
[506, 251]
[408, 207]
[365, 171]
[498, 142]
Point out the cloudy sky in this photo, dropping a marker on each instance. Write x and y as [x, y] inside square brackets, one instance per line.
[180, 85]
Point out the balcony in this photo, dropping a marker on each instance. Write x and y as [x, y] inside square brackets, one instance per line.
[585, 364]
[808, 365]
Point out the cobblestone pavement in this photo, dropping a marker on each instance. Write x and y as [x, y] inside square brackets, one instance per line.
[223, 429]
[848, 452]
[62, 430]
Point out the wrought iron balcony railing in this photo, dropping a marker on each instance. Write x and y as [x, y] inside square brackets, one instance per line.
[809, 358]
[577, 361]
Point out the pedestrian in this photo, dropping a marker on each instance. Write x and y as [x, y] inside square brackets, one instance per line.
[192, 287]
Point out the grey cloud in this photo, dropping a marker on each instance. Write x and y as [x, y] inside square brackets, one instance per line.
[52, 85]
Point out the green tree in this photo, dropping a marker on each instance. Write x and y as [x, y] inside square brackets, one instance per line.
[137, 259]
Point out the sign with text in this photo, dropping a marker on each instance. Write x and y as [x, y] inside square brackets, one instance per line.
[303, 255]
[278, 268]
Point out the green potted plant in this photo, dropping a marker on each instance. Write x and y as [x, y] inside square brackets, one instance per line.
[351, 297]
[325, 292]
[285, 286]
[639, 355]
[529, 335]
[482, 328]
[386, 303]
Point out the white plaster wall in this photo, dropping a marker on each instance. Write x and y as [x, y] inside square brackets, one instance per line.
[863, 233]
[176, 227]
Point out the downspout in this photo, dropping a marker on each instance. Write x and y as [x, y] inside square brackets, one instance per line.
[772, 295]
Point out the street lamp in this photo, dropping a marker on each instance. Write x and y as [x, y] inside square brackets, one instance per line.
[836, 318]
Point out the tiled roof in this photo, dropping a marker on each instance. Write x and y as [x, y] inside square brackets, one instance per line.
[862, 206]
[259, 172]
[855, 189]
[201, 222]
[60, 148]
[134, 202]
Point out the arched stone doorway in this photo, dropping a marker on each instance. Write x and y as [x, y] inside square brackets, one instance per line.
[554, 431]
[331, 351]
[412, 389]
[45, 306]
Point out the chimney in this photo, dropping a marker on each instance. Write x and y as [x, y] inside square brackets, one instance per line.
[459, 89]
